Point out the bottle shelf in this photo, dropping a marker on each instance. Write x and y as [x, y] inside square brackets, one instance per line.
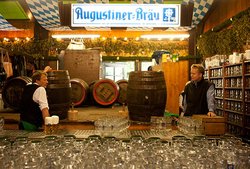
[238, 88]
[232, 111]
[220, 98]
[235, 124]
[218, 77]
[219, 108]
[232, 88]
[232, 76]
[236, 100]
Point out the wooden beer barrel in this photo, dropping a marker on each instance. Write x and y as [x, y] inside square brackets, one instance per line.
[146, 95]
[104, 92]
[59, 93]
[13, 90]
[79, 91]
[122, 97]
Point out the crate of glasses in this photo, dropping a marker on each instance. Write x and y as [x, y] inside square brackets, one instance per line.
[211, 125]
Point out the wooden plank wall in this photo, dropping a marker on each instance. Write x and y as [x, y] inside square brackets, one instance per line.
[223, 10]
[176, 76]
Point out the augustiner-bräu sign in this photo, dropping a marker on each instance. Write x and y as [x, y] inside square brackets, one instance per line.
[125, 15]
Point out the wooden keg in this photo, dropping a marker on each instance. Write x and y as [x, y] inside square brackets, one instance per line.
[146, 95]
[104, 92]
[122, 97]
[59, 93]
[13, 90]
[79, 91]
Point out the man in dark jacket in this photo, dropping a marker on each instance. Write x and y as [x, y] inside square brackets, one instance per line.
[34, 103]
[199, 94]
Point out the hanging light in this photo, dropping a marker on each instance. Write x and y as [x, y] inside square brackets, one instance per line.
[165, 36]
[76, 36]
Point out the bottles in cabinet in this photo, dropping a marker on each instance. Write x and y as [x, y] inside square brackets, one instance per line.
[233, 129]
[219, 93]
[234, 106]
[233, 70]
[233, 94]
[247, 95]
[235, 118]
[247, 108]
[247, 82]
[218, 82]
[216, 72]
[219, 112]
[248, 121]
[219, 103]
[233, 82]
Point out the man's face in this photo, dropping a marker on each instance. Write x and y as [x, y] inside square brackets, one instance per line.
[195, 75]
[43, 81]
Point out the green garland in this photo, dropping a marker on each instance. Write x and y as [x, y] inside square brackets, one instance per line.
[225, 40]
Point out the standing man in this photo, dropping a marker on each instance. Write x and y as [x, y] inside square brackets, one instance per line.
[34, 103]
[199, 94]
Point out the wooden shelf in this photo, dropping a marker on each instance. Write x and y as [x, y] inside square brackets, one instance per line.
[219, 108]
[233, 76]
[236, 100]
[239, 88]
[219, 77]
[232, 111]
[247, 127]
[231, 65]
[220, 98]
[235, 124]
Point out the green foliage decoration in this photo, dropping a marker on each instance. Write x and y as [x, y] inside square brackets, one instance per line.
[33, 48]
[127, 48]
[132, 47]
[226, 40]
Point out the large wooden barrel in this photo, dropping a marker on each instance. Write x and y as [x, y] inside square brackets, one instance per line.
[122, 97]
[104, 92]
[146, 95]
[79, 91]
[59, 93]
[13, 90]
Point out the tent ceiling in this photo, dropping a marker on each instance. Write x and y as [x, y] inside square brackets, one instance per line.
[12, 10]
[54, 15]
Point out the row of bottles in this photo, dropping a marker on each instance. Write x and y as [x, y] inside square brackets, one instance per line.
[234, 106]
[219, 93]
[234, 82]
[233, 129]
[235, 118]
[233, 70]
[218, 82]
[233, 94]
